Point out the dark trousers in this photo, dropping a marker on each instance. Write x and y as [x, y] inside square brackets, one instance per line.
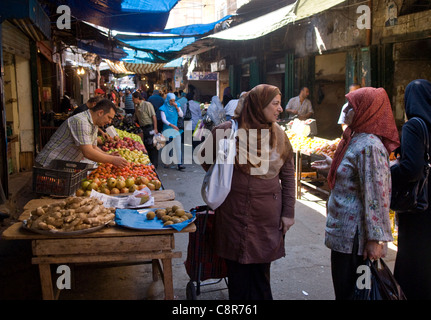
[413, 263]
[343, 268]
[248, 281]
[152, 151]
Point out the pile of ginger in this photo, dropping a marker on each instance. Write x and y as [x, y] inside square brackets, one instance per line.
[71, 214]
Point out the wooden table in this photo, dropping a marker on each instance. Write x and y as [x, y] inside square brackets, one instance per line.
[299, 155]
[111, 244]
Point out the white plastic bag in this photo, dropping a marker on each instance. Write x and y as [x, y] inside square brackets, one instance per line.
[217, 181]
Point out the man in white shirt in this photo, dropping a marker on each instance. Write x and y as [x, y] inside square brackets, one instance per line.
[342, 118]
[230, 107]
[300, 105]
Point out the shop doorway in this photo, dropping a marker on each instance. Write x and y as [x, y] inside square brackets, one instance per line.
[329, 91]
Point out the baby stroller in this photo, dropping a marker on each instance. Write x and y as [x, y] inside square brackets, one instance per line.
[202, 263]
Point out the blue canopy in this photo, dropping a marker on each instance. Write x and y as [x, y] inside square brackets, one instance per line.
[157, 47]
[193, 29]
[122, 15]
[147, 56]
[161, 45]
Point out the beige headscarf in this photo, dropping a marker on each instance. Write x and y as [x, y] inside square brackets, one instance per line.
[266, 150]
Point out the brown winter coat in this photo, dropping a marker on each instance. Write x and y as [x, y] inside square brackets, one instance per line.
[247, 224]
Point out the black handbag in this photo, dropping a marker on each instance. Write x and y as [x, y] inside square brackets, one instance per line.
[383, 285]
[187, 117]
[413, 196]
[188, 114]
[180, 122]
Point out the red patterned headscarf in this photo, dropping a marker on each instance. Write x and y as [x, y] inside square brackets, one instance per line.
[372, 114]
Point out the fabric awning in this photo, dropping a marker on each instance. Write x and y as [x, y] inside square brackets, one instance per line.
[143, 68]
[121, 15]
[162, 47]
[161, 44]
[121, 67]
[117, 66]
[272, 21]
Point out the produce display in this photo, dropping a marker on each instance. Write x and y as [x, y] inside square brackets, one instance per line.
[314, 145]
[71, 214]
[122, 143]
[126, 123]
[169, 215]
[110, 179]
[135, 156]
[122, 134]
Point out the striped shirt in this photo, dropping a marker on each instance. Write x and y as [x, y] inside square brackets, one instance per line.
[64, 144]
[128, 102]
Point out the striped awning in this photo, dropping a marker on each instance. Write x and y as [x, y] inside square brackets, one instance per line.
[143, 68]
[133, 68]
[117, 67]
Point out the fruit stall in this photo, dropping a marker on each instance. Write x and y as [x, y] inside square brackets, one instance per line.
[310, 149]
[103, 215]
[109, 179]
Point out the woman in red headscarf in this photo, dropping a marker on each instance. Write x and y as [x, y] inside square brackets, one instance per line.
[250, 224]
[358, 225]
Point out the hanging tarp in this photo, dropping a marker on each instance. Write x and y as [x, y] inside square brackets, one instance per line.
[260, 26]
[162, 47]
[101, 49]
[148, 56]
[174, 63]
[159, 50]
[308, 8]
[162, 44]
[121, 15]
[194, 29]
[274, 20]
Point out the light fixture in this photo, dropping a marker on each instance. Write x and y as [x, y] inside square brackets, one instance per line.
[80, 71]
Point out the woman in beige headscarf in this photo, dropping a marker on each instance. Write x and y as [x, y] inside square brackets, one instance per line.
[251, 223]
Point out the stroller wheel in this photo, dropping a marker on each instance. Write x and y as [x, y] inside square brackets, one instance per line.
[191, 291]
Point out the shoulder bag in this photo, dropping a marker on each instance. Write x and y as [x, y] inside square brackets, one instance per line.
[188, 114]
[413, 197]
[217, 181]
[382, 283]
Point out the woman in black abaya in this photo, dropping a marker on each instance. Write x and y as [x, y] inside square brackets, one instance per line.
[413, 262]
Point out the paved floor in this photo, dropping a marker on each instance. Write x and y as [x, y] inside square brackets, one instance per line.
[304, 274]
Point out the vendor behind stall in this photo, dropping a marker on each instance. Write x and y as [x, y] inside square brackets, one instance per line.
[76, 138]
[300, 105]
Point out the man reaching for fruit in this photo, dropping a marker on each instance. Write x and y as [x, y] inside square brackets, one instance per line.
[76, 138]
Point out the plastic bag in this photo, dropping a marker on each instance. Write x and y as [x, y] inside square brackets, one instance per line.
[216, 113]
[383, 285]
[218, 179]
[159, 141]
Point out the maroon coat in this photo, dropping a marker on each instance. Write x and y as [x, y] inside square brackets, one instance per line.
[247, 224]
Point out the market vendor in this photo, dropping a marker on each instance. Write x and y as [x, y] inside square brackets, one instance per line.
[76, 138]
[300, 105]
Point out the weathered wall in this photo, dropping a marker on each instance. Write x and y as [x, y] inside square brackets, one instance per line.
[412, 60]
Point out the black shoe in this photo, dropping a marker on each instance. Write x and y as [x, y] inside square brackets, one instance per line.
[181, 167]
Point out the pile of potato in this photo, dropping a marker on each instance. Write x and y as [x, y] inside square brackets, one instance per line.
[71, 214]
[170, 215]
